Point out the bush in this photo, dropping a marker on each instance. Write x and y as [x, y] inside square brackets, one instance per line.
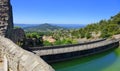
[47, 43]
[88, 35]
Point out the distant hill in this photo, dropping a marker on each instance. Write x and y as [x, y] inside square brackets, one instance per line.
[43, 27]
[72, 26]
[25, 25]
[67, 26]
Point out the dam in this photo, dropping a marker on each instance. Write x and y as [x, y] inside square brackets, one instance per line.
[59, 53]
[15, 58]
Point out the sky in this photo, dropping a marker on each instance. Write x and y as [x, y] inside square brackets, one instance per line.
[63, 11]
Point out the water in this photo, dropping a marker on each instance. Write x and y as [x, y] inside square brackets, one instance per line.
[106, 61]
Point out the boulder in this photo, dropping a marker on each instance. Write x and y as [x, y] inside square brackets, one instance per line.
[17, 35]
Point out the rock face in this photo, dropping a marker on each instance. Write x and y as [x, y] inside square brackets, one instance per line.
[17, 35]
[6, 18]
[6, 23]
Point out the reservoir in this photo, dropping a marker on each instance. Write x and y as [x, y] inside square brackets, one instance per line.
[105, 61]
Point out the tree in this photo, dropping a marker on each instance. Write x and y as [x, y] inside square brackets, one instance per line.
[47, 43]
[88, 35]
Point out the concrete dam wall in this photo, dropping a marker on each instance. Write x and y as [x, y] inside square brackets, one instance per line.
[17, 59]
[59, 53]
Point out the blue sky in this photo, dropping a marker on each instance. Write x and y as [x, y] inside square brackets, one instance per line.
[63, 11]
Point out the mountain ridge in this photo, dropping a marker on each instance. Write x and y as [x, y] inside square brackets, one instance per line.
[68, 26]
[44, 28]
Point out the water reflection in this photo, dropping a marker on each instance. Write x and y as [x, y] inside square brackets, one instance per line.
[106, 61]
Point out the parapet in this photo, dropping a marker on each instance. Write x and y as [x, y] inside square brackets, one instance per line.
[18, 59]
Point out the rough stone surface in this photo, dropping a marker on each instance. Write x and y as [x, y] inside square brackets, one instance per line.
[6, 23]
[18, 35]
[20, 59]
[6, 18]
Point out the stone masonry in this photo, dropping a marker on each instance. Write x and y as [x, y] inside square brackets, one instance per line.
[6, 18]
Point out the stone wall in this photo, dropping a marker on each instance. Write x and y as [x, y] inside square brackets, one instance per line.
[19, 59]
[6, 18]
[6, 22]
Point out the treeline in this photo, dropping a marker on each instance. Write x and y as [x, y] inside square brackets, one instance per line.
[60, 37]
[101, 29]
[106, 28]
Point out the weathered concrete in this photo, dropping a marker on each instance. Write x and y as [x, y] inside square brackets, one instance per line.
[59, 53]
[18, 59]
[72, 48]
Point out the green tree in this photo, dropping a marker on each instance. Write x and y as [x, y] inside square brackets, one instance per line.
[47, 43]
[88, 35]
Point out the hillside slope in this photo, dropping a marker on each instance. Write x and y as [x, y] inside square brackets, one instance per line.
[43, 27]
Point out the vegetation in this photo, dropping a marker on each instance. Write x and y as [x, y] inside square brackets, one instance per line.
[16, 27]
[43, 28]
[101, 29]
[107, 28]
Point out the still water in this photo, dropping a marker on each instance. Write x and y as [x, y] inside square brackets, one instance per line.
[106, 61]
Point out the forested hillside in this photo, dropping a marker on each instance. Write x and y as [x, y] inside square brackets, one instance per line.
[101, 29]
[106, 28]
[43, 28]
